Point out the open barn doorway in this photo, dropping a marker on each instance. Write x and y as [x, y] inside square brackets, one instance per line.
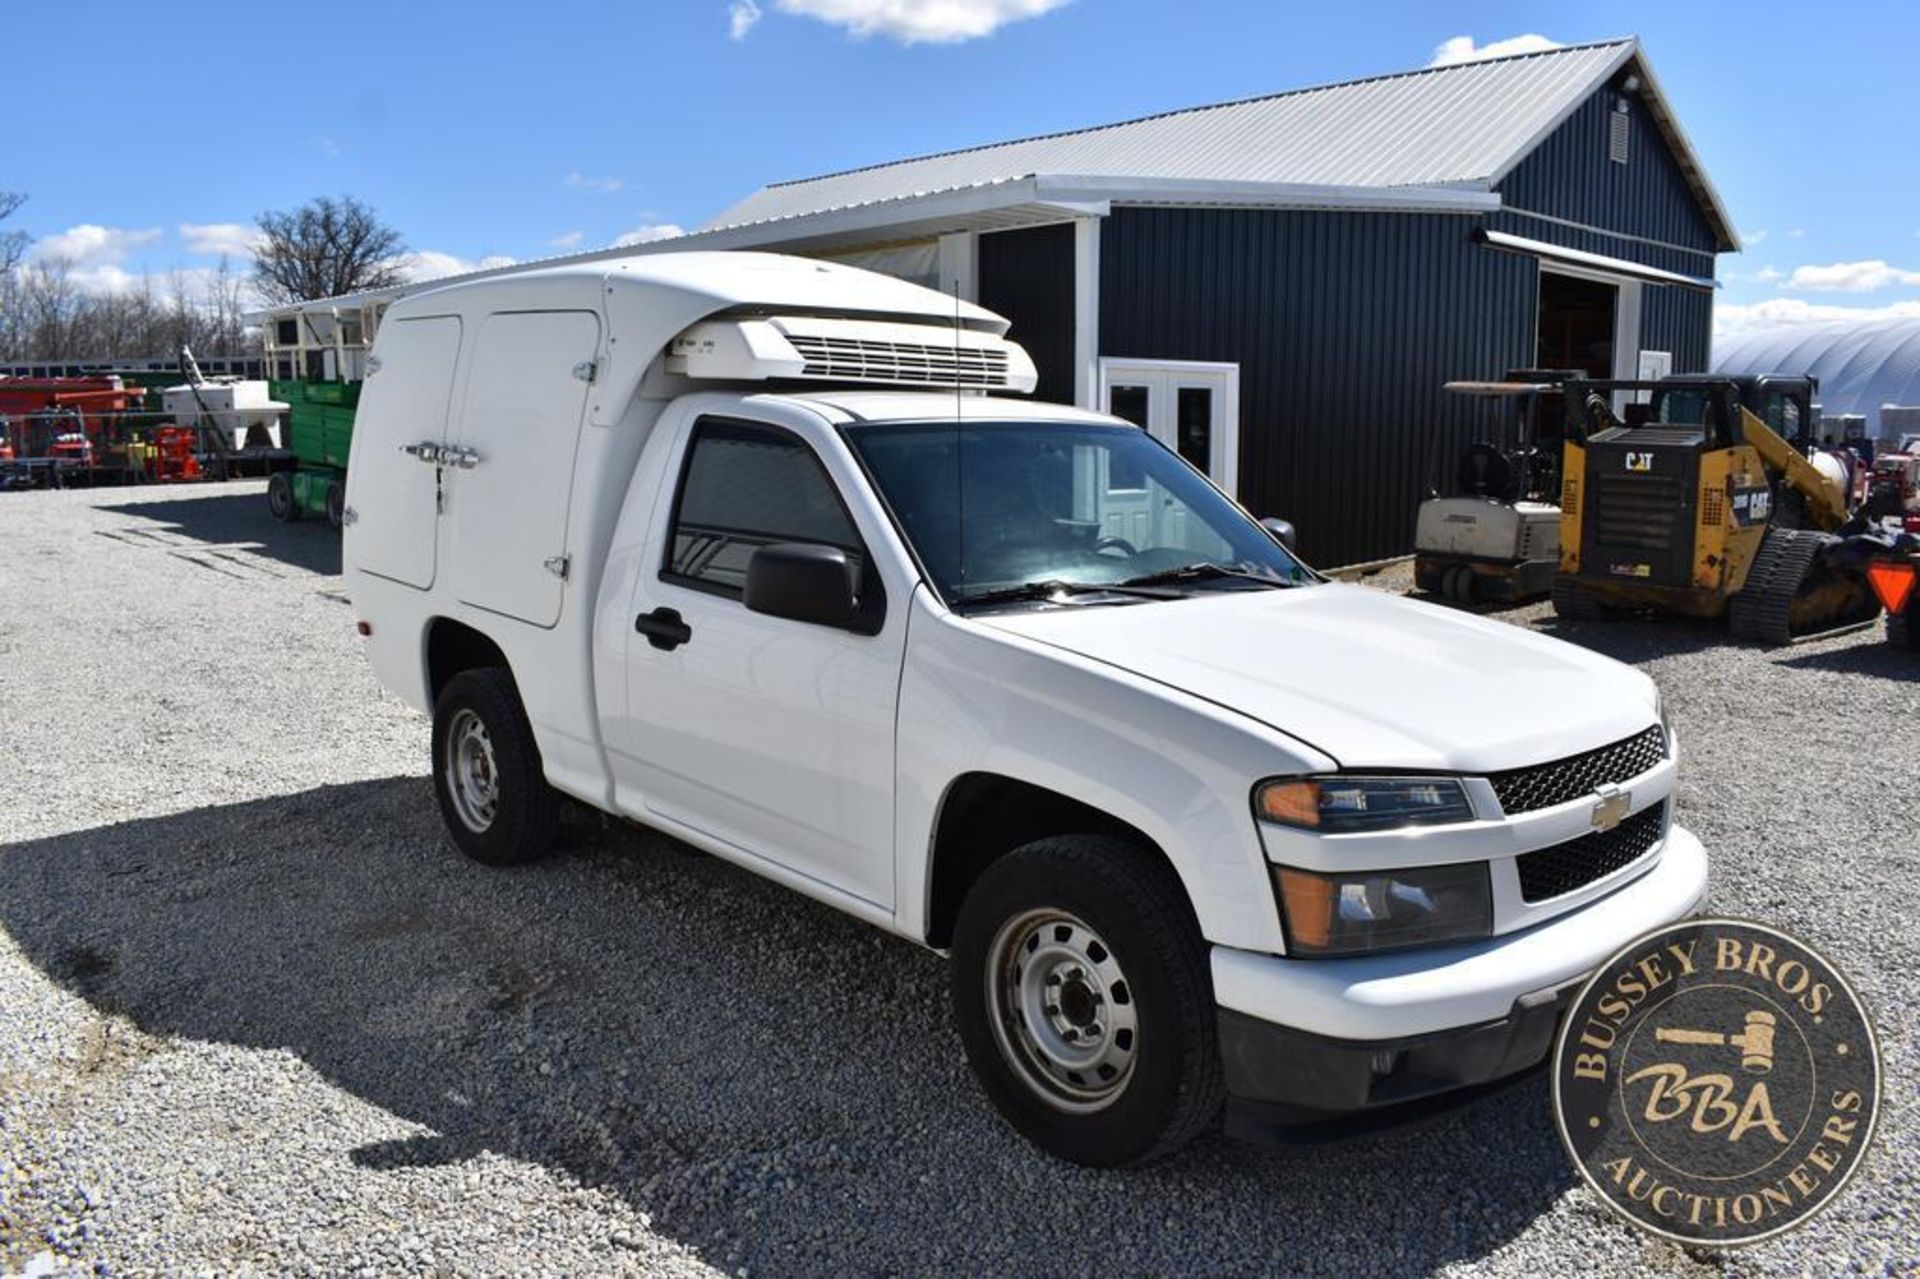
[1577, 323]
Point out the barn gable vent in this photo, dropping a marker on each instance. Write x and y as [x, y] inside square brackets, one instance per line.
[1619, 125]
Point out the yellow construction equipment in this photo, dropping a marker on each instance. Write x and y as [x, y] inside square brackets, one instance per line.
[1697, 495]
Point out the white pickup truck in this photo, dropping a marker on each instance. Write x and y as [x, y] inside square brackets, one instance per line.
[748, 549]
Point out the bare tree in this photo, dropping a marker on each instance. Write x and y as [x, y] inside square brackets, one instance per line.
[13, 244]
[324, 248]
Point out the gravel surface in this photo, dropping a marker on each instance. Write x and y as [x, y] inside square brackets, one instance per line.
[256, 1014]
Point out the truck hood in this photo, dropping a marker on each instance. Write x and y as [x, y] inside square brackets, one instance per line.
[1371, 679]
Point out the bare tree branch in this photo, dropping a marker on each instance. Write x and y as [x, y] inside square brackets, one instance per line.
[324, 248]
[13, 244]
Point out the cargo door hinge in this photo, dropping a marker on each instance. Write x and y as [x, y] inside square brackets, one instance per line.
[587, 370]
[558, 566]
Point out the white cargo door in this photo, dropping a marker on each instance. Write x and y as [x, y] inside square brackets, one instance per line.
[392, 481]
[509, 467]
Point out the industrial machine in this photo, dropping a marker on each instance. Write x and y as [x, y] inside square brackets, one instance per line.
[1491, 530]
[1697, 495]
[320, 429]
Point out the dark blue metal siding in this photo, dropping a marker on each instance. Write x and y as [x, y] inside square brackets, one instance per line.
[1569, 176]
[1027, 276]
[1344, 327]
[1680, 321]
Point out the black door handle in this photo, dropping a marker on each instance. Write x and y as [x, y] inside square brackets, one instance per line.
[663, 628]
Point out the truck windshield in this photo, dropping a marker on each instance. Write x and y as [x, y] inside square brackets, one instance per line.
[1000, 511]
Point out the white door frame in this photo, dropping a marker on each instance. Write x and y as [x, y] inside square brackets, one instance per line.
[1224, 446]
[1626, 313]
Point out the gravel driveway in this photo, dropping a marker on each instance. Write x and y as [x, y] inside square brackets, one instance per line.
[256, 1013]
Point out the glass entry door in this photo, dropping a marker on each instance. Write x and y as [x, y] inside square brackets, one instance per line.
[1192, 408]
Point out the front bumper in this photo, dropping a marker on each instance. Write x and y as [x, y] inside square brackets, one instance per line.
[1308, 1040]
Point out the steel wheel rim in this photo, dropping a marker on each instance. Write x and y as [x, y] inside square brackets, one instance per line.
[473, 780]
[1062, 1010]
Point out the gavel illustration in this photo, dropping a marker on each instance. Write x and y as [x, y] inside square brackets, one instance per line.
[1755, 1042]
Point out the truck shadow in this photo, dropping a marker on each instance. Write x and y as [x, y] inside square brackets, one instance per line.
[737, 1062]
[237, 520]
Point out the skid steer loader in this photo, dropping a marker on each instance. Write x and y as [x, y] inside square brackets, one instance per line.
[1697, 495]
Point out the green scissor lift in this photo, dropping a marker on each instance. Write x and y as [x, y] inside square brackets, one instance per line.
[320, 427]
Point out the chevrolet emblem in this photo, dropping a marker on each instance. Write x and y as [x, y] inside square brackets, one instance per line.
[1612, 808]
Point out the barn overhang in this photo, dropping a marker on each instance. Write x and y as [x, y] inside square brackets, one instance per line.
[1052, 197]
[1590, 261]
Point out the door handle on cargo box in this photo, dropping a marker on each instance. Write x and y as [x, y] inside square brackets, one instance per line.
[664, 628]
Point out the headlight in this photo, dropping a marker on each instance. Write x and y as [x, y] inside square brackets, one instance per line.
[1354, 911]
[1337, 805]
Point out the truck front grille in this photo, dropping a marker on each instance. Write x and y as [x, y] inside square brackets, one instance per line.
[1642, 512]
[1526, 790]
[1554, 872]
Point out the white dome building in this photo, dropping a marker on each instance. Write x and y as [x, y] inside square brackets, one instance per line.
[1862, 367]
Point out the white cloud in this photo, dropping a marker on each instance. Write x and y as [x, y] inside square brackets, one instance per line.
[568, 240]
[1753, 239]
[88, 245]
[429, 264]
[581, 182]
[907, 21]
[1798, 233]
[1778, 312]
[1462, 48]
[234, 239]
[1849, 277]
[328, 146]
[649, 234]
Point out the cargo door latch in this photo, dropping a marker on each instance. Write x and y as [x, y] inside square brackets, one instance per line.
[558, 565]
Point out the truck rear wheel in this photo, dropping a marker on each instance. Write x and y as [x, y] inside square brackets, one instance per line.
[1081, 988]
[487, 774]
[336, 503]
[280, 500]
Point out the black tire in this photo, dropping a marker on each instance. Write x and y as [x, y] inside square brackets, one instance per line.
[1137, 914]
[336, 503]
[280, 499]
[524, 815]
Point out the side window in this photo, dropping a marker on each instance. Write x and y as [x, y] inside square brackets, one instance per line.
[742, 487]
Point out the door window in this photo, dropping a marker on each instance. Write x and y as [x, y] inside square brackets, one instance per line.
[1193, 425]
[745, 486]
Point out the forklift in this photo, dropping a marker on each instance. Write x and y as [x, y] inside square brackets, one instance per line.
[1696, 495]
[1492, 530]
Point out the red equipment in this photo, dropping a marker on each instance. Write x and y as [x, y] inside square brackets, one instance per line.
[173, 454]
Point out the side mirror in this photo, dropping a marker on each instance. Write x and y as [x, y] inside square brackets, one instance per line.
[803, 582]
[1282, 531]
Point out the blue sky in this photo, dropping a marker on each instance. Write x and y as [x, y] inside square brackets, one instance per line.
[519, 130]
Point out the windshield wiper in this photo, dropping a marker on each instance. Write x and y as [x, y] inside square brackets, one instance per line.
[1054, 586]
[1202, 572]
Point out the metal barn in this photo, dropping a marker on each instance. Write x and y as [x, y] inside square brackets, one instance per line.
[1278, 287]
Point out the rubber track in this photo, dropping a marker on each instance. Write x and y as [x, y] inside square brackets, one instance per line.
[1575, 603]
[1763, 609]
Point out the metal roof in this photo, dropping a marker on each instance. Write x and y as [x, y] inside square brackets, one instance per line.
[1861, 366]
[1465, 125]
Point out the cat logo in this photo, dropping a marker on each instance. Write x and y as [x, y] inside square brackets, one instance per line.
[1640, 463]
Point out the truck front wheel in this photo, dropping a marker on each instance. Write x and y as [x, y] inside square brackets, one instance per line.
[1080, 984]
[486, 771]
